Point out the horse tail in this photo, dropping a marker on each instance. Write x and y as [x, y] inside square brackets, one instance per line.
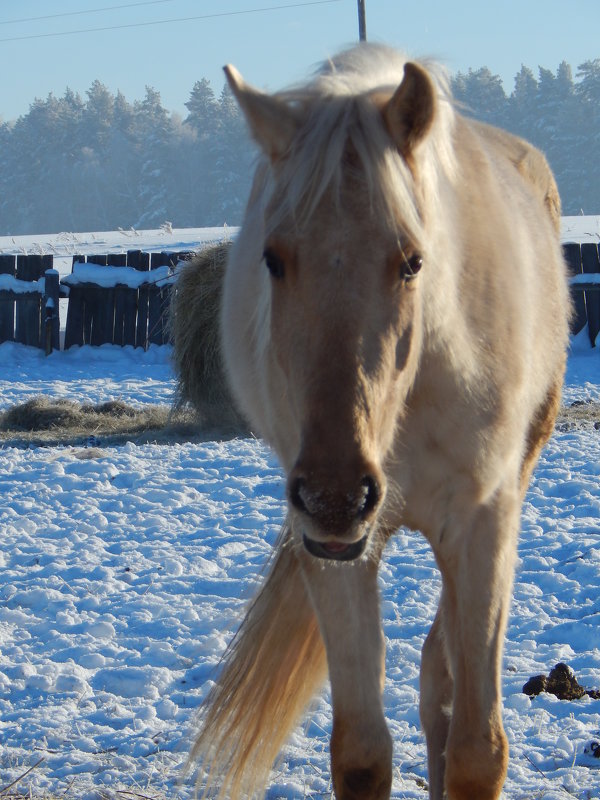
[270, 672]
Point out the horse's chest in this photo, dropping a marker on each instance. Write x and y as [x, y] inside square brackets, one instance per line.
[435, 467]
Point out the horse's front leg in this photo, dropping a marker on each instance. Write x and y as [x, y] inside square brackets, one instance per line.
[346, 601]
[477, 562]
[435, 705]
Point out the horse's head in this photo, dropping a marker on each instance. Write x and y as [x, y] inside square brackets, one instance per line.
[341, 255]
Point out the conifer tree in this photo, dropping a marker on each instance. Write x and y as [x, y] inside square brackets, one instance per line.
[101, 162]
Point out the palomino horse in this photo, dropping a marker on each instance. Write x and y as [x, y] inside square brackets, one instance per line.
[394, 323]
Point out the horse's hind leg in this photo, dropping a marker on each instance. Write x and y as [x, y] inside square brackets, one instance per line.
[346, 601]
[477, 566]
[540, 430]
[435, 705]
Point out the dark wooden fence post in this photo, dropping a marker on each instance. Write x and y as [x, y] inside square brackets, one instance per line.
[158, 300]
[572, 255]
[74, 329]
[160, 297]
[27, 311]
[140, 261]
[8, 266]
[101, 305]
[591, 263]
[125, 301]
[28, 328]
[51, 311]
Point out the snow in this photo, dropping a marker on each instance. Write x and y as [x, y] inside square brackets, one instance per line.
[116, 276]
[66, 245]
[588, 277]
[125, 571]
[580, 229]
[8, 283]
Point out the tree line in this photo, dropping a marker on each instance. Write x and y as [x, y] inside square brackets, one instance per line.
[101, 162]
[555, 112]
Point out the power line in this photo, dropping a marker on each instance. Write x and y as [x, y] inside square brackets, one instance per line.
[168, 21]
[79, 13]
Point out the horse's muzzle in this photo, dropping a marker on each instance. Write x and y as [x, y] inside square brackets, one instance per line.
[335, 551]
[333, 511]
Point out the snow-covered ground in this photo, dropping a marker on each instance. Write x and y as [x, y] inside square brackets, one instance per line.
[124, 571]
[63, 246]
[580, 229]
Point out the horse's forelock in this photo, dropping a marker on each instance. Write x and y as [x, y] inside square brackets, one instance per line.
[341, 111]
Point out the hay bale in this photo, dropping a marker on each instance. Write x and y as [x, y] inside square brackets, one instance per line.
[194, 330]
[40, 414]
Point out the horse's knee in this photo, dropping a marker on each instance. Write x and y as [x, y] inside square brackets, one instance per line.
[361, 764]
[476, 767]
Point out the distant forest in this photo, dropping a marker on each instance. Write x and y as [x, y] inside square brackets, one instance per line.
[101, 162]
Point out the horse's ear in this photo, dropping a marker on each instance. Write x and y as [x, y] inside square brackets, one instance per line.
[272, 122]
[410, 111]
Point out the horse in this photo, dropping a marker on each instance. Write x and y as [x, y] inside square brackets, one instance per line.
[394, 323]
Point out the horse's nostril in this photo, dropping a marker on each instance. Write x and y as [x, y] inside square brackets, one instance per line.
[370, 497]
[295, 493]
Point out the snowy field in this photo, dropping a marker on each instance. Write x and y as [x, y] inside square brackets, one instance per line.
[63, 246]
[124, 571]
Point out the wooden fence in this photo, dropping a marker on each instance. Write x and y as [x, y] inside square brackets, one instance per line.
[123, 298]
[29, 297]
[583, 262]
[112, 299]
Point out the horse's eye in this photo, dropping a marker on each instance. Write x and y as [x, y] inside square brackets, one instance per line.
[411, 266]
[415, 263]
[274, 264]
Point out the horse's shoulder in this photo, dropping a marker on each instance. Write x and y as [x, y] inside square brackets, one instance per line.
[530, 163]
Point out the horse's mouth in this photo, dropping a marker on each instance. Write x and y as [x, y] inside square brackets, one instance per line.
[335, 551]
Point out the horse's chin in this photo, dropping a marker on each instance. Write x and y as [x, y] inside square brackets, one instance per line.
[336, 551]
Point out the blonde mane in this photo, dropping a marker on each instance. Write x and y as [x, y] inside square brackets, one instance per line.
[338, 113]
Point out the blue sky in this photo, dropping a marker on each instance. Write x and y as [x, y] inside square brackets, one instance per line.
[272, 47]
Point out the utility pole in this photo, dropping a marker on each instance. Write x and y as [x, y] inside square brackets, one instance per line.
[362, 23]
